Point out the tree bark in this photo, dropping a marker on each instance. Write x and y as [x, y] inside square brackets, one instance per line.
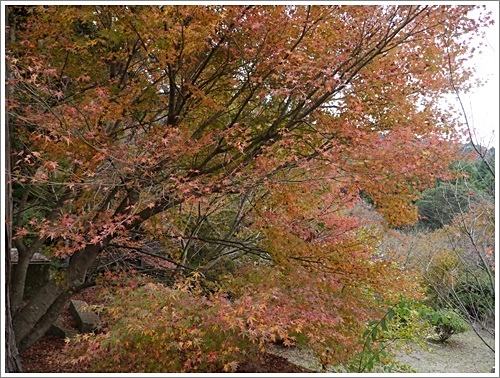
[18, 281]
[35, 318]
[12, 359]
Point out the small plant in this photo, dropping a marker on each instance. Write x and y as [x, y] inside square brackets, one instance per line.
[405, 320]
[446, 323]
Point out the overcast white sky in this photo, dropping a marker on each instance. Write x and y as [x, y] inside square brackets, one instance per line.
[483, 104]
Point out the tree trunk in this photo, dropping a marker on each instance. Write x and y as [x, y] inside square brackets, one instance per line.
[12, 359]
[31, 326]
[33, 320]
[18, 281]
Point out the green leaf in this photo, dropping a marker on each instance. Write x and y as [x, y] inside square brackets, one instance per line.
[390, 314]
[383, 325]
[374, 333]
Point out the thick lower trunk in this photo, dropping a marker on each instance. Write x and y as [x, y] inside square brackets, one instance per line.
[12, 359]
[18, 280]
[43, 325]
[28, 318]
[35, 318]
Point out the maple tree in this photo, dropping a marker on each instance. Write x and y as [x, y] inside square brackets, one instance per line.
[121, 116]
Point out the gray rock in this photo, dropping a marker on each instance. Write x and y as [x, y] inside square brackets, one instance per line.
[57, 329]
[86, 319]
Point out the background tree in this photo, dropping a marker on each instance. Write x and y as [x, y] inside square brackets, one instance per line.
[457, 263]
[440, 204]
[453, 243]
[460, 271]
[474, 183]
[121, 116]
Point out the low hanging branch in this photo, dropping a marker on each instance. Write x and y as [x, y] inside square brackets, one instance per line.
[143, 251]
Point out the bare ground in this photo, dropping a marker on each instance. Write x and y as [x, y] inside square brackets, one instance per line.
[462, 353]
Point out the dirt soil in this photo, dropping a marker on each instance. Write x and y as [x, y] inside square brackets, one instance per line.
[462, 353]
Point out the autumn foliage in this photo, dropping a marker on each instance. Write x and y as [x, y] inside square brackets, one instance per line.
[190, 327]
[241, 134]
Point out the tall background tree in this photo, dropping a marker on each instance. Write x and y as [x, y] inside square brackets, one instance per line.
[141, 120]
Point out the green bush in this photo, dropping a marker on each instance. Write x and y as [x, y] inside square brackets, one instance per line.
[446, 323]
[472, 293]
[405, 320]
